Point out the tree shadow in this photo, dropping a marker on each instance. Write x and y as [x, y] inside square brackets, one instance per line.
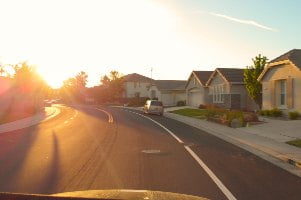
[51, 178]
[14, 148]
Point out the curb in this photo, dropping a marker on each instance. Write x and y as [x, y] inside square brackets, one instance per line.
[237, 142]
[241, 143]
[27, 122]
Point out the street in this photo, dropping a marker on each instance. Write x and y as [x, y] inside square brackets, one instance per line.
[85, 148]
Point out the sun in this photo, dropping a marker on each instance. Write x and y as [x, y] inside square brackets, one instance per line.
[53, 79]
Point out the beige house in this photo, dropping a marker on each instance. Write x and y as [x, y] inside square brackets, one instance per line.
[168, 91]
[136, 85]
[281, 82]
[227, 90]
[196, 89]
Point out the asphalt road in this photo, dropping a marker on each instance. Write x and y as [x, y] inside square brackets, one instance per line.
[84, 149]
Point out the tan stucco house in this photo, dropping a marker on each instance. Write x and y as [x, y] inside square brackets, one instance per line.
[168, 91]
[136, 85]
[281, 82]
[227, 89]
[196, 89]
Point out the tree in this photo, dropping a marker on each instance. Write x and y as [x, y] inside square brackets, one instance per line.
[112, 86]
[251, 74]
[2, 71]
[81, 79]
[74, 88]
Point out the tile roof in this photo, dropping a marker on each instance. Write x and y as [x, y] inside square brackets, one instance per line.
[232, 74]
[293, 55]
[134, 77]
[203, 76]
[170, 84]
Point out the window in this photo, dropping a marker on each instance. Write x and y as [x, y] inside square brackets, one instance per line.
[217, 93]
[194, 81]
[283, 92]
[156, 103]
[135, 84]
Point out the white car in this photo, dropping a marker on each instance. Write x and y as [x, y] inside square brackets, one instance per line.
[153, 107]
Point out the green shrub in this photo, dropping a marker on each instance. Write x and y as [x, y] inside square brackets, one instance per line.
[293, 115]
[181, 103]
[261, 112]
[235, 115]
[275, 112]
[267, 113]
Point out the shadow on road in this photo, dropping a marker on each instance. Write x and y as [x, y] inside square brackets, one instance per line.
[50, 180]
[14, 149]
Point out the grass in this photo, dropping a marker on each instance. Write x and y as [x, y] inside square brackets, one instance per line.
[190, 112]
[296, 143]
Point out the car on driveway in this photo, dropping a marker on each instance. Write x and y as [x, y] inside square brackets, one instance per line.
[153, 107]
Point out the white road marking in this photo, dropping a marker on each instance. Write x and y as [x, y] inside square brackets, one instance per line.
[219, 184]
[111, 120]
[167, 130]
[214, 178]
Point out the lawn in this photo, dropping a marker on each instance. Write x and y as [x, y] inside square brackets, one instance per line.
[296, 143]
[190, 112]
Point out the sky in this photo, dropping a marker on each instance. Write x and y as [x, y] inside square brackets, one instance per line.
[172, 37]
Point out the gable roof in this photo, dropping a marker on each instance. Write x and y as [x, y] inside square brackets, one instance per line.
[202, 76]
[231, 75]
[170, 84]
[293, 57]
[134, 77]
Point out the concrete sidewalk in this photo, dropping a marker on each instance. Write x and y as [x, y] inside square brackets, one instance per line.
[49, 113]
[265, 140]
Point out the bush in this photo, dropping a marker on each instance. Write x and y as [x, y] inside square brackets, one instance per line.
[137, 101]
[293, 115]
[202, 106]
[181, 103]
[235, 115]
[250, 117]
[275, 112]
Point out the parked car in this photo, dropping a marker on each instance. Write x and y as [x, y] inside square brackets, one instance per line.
[153, 107]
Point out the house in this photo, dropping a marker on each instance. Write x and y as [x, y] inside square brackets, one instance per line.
[196, 89]
[227, 89]
[281, 82]
[136, 85]
[168, 91]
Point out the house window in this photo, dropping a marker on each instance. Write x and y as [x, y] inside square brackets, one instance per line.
[194, 81]
[283, 92]
[218, 91]
[135, 84]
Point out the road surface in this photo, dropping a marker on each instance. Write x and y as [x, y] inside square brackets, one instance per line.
[85, 148]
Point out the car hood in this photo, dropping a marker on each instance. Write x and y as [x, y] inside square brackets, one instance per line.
[128, 195]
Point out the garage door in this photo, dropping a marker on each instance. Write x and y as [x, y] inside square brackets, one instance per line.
[195, 98]
[167, 99]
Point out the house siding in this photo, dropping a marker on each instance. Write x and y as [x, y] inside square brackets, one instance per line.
[234, 96]
[168, 97]
[270, 88]
[131, 90]
[196, 87]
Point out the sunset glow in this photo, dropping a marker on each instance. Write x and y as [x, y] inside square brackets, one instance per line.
[65, 37]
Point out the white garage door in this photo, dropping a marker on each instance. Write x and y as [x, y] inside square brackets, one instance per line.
[167, 99]
[195, 98]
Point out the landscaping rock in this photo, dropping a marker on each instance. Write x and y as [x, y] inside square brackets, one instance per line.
[236, 123]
